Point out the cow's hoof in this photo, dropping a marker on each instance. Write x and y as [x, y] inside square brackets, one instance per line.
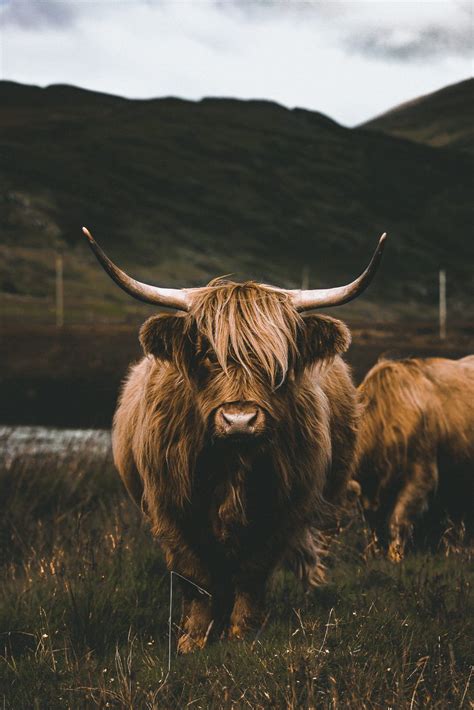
[244, 629]
[237, 631]
[354, 491]
[395, 552]
[188, 644]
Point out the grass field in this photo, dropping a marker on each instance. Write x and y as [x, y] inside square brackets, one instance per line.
[84, 604]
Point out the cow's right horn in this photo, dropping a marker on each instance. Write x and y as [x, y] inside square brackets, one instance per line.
[168, 297]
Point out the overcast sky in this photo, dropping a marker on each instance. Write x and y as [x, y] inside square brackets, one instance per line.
[350, 60]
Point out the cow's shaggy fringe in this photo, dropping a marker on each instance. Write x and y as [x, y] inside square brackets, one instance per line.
[233, 318]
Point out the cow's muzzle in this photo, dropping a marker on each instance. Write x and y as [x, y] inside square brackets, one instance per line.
[239, 420]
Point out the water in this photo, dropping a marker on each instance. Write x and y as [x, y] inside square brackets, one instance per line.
[36, 444]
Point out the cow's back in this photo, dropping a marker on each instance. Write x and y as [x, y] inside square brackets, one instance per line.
[454, 381]
[416, 399]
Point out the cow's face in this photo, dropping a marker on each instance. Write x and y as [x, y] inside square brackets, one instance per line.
[243, 349]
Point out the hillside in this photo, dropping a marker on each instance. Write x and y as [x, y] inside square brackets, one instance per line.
[443, 118]
[178, 192]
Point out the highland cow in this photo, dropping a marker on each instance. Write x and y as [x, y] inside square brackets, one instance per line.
[235, 434]
[415, 445]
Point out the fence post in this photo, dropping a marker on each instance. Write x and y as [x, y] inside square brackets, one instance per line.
[442, 304]
[59, 290]
[305, 278]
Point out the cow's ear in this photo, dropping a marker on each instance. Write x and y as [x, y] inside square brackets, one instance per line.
[324, 337]
[167, 337]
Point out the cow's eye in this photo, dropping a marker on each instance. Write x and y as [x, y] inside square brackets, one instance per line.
[207, 362]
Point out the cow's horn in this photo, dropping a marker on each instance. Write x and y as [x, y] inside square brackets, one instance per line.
[170, 297]
[324, 297]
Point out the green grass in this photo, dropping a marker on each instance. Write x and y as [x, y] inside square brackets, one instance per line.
[84, 616]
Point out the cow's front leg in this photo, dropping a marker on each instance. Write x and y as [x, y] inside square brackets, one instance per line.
[412, 501]
[196, 622]
[248, 612]
[193, 576]
[205, 616]
[207, 589]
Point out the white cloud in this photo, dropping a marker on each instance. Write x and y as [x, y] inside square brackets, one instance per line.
[350, 60]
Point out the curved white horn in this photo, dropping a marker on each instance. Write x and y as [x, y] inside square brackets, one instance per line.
[169, 297]
[304, 300]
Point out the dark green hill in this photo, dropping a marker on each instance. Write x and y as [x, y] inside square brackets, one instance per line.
[443, 118]
[178, 192]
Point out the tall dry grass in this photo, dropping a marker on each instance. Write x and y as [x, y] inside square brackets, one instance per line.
[84, 612]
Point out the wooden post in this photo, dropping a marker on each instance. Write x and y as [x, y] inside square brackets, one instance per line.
[59, 291]
[305, 278]
[442, 304]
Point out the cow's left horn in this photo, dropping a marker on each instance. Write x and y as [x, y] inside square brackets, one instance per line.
[168, 297]
[325, 297]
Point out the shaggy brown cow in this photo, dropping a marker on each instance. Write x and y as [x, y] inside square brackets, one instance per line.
[415, 440]
[232, 431]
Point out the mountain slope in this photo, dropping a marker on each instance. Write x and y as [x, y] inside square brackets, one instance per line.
[178, 192]
[443, 118]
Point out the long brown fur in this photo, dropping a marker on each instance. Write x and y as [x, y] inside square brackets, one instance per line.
[233, 318]
[227, 516]
[415, 442]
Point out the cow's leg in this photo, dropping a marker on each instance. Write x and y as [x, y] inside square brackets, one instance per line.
[197, 615]
[412, 501]
[196, 622]
[250, 588]
[205, 613]
[205, 616]
[248, 612]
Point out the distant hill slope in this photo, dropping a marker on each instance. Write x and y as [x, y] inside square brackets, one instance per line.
[178, 192]
[443, 118]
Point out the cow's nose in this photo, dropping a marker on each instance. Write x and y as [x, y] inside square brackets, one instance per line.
[239, 422]
[239, 419]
